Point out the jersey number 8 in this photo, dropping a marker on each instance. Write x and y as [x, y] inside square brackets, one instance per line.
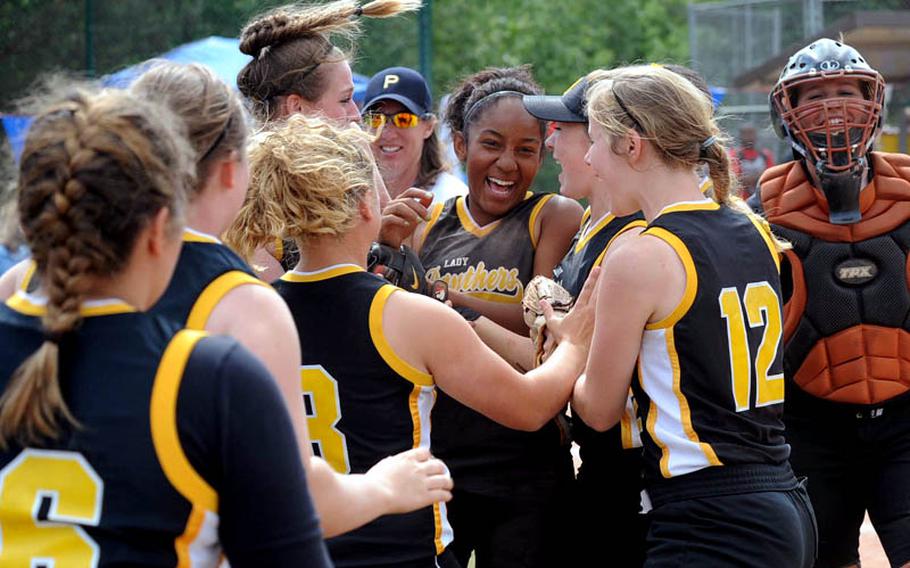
[323, 411]
[762, 309]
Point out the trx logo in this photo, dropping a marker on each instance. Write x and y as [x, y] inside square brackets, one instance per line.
[856, 271]
[389, 80]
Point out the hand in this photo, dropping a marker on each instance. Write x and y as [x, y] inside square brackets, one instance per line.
[413, 480]
[403, 214]
[577, 326]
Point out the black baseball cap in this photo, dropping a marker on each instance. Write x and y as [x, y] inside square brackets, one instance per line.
[570, 107]
[401, 84]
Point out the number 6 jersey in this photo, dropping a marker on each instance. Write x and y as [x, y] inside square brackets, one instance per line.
[710, 382]
[184, 452]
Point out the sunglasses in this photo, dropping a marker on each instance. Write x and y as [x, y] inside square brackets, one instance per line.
[377, 120]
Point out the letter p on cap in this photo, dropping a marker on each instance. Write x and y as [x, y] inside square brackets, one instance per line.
[389, 80]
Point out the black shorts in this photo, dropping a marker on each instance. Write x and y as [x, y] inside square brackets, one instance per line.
[761, 529]
[857, 460]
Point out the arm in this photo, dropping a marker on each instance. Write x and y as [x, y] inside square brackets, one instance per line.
[472, 373]
[516, 349]
[261, 321]
[266, 514]
[642, 281]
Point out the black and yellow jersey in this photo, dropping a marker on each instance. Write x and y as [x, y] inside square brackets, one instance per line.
[710, 380]
[598, 449]
[179, 436]
[206, 271]
[363, 403]
[494, 262]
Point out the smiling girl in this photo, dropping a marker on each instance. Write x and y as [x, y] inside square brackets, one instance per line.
[487, 246]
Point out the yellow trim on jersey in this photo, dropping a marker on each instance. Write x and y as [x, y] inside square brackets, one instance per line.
[685, 413]
[494, 297]
[437, 536]
[399, 365]
[214, 293]
[468, 224]
[650, 426]
[435, 212]
[182, 543]
[706, 185]
[765, 231]
[163, 418]
[691, 206]
[626, 422]
[29, 274]
[584, 217]
[26, 305]
[323, 274]
[197, 237]
[532, 220]
[586, 238]
[691, 277]
[630, 225]
[413, 400]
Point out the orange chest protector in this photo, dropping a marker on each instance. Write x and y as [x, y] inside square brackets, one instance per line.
[847, 318]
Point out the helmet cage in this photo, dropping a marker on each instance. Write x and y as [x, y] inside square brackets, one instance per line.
[834, 133]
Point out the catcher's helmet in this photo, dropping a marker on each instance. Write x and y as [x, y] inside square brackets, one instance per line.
[833, 134]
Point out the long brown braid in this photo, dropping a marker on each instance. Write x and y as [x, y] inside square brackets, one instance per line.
[95, 169]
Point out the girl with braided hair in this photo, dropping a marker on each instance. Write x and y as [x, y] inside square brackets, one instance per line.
[124, 441]
[370, 361]
[486, 247]
[691, 307]
[214, 290]
[296, 68]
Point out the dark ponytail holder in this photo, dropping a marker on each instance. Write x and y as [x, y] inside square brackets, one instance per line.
[358, 11]
[705, 146]
[54, 337]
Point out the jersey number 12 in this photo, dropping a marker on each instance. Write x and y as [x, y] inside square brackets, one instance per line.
[762, 310]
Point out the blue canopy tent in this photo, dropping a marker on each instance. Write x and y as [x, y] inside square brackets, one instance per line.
[221, 54]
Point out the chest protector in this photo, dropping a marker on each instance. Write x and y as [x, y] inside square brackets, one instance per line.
[847, 319]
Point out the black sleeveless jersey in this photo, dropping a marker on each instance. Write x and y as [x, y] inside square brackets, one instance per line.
[711, 386]
[206, 271]
[363, 403]
[495, 263]
[172, 442]
[597, 449]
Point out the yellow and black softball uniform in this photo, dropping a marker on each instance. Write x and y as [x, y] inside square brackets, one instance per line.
[206, 271]
[162, 471]
[710, 392]
[510, 486]
[363, 403]
[609, 477]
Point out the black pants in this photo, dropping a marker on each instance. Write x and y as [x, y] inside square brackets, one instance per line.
[768, 528]
[856, 461]
[509, 532]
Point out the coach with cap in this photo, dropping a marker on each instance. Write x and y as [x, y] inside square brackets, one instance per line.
[408, 149]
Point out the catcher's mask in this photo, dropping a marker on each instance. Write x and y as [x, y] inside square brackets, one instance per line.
[832, 133]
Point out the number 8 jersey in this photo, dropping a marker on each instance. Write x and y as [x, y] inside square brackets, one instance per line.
[710, 382]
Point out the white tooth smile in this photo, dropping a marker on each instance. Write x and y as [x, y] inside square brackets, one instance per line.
[501, 182]
[390, 149]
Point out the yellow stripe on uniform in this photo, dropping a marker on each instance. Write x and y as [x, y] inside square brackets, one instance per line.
[691, 277]
[435, 212]
[765, 231]
[214, 293]
[584, 217]
[532, 220]
[28, 305]
[388, 354]
[468, 224]
[631, 225]
[320, 275]
[686, 413]
[197, 237]
[583, 242]
[691, 206]
[166, 440]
